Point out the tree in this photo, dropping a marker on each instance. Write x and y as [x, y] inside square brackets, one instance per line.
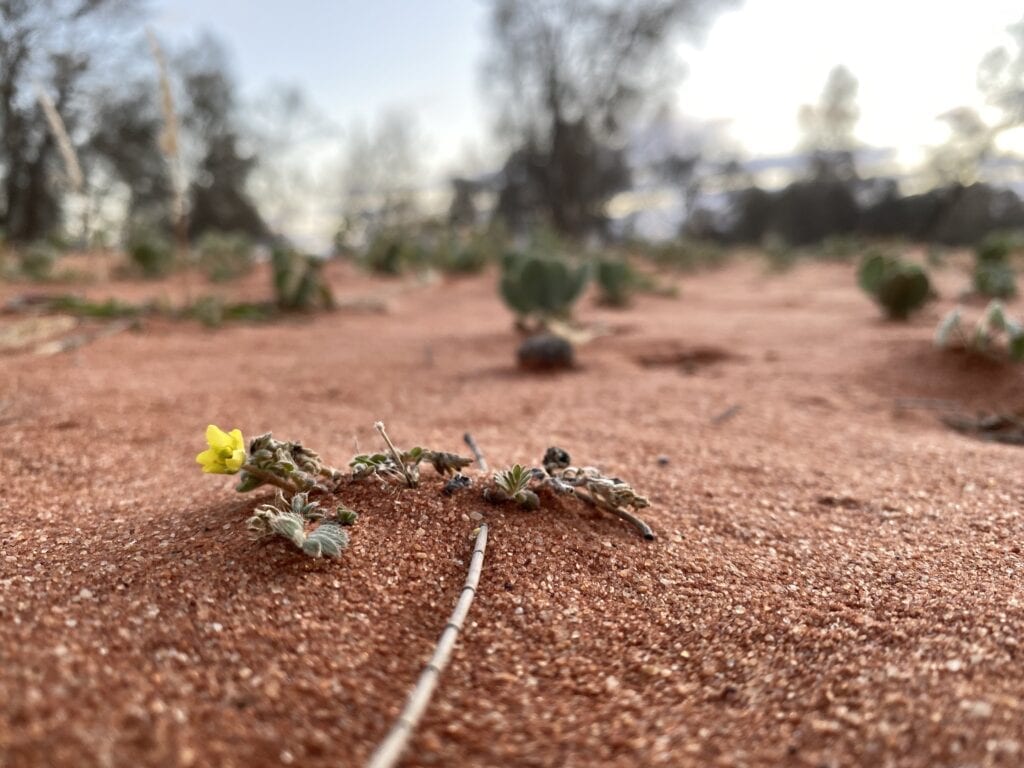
[828, 127]
[125, 142]
[218, 194]
[567, 76]
[54, 43]
[380, 175]
[973, 139]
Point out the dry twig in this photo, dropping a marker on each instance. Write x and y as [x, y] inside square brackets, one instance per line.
[387, 753]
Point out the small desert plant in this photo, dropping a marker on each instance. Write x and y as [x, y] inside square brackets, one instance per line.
[296, 472]
[995, 334]
[299, 283]
[150, 252]
[291, 520]
[898, 286]
[108, 309]
[513, 484]
[37, 260]
[224, 256]
[541, 287]
[617, 281]
[993, 274]
[392, 252]
[840, 247]
[404, 466]
[588, 484]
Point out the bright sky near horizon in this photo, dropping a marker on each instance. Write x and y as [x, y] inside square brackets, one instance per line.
[756, 65]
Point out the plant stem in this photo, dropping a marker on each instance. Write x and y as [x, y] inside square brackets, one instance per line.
[395, 455]
[387, 753]
[270, 478]
[481, 462]
[626, 515]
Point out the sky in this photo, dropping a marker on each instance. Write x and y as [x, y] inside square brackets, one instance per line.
[753, 69]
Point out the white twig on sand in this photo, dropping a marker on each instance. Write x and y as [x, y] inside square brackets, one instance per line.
[387, 753]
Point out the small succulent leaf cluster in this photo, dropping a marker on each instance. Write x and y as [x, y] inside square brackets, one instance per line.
[288, 465]
[513, 484]
[994, 335]
[898, 286]
[290, 519]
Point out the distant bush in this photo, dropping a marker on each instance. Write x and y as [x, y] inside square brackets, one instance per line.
[685, 254]
[150, 252]
[37, 260]
[392, 252]
[617, 281]
[299, 283]
[898, 286]
[993, 274]
[224, 256]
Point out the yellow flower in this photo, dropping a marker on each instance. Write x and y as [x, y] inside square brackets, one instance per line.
[226, 453]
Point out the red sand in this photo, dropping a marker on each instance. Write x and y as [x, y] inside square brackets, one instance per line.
[836, 582]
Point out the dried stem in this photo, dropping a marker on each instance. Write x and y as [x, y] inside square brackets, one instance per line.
[396, 456]
[481, 462]
[389, 750]
[270, 478]
[72, 168]
[170, 145]
[626, 515]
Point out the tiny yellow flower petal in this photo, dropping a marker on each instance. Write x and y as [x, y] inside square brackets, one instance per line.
[226, 453]
[209, 459]
[235, 461]
[217, 437]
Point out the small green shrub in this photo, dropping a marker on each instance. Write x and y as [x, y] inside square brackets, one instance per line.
[37, 260]
[617, 281]
[840, 247]
[684, 254]
[993, 274]
[150, 252]
[224, 256]
[541, 286]
[995, 335]
[463, 255]
[392, 252]
[299, 284]
[898, 286]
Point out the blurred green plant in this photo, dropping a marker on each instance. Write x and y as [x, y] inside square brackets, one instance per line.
[995, 335]
[617, 281]
[299, 284]
[541, 286]
[224, 256]
[37, 260]
[150, 252]
[898, 286]
[392, 252]
[683, 254]
[840, 247]
[993, 274]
